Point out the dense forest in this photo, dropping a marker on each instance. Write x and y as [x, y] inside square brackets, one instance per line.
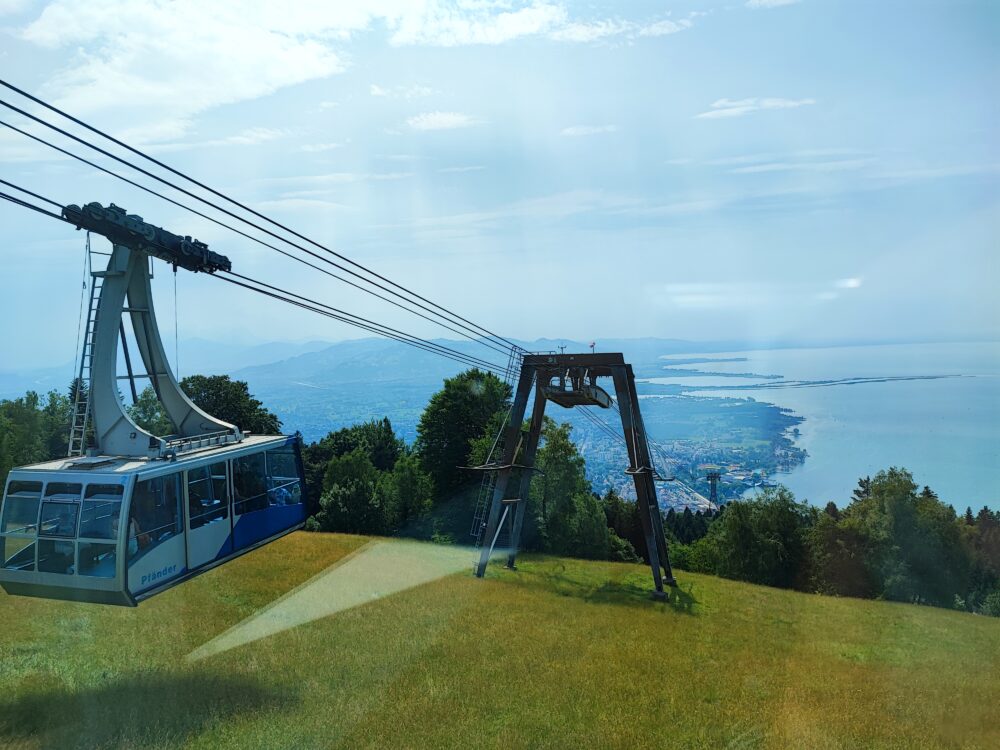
[891, 540]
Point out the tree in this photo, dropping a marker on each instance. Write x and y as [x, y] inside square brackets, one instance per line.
[150, 415]
[409, 490]
[622, 517]
[455, 417]
[351, 501]
[762, 540]
[33, 429]
[991, 605]
[376, 438]
[569, 519]
[863, 490]
[230, 401]
[894, 543]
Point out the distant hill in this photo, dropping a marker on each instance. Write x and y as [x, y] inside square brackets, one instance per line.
[351, 381]
[197, 356]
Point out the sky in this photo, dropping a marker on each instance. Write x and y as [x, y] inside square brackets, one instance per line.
[769, 170]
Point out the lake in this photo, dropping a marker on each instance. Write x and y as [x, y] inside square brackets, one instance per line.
[931, 408]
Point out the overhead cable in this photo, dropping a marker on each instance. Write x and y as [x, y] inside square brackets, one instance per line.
[312, 305]
[259, 241]
[97, 131]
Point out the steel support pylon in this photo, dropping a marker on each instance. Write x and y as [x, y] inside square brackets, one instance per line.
[127, 280]
[541, 371]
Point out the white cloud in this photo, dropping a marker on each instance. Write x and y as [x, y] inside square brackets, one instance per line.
[152, 66]
[312, 148]
[301, 204]
[577, 130]
[443, 25]
[739, 107]
[676, 208]
[252, 136]
[328, 105]
[399, 157]
[589, 32]
[246, 137]
[739, 295]
[939, 171]
[442, 121]
[400, 92]
[333, 178]
[851, 283]
[546, 208]
[592, 31]
[663, 28]
[458, 170]
[156, 65]
[8, 7]
[758, 4]
[836, 165]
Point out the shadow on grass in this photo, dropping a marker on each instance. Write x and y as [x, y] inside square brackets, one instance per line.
[143, 711]
[629, 591]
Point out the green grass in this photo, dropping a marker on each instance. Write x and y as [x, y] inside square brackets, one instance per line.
[561, 653]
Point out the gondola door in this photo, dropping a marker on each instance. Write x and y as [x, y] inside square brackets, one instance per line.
[209, 526]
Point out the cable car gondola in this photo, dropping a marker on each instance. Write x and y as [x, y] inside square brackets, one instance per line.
[129, 514]
[117, 530]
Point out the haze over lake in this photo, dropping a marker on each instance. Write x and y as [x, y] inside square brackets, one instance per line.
[932, 408]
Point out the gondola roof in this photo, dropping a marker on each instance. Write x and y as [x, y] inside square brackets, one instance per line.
[131, 464]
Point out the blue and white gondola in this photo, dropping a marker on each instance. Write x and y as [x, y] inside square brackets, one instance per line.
[118, 530]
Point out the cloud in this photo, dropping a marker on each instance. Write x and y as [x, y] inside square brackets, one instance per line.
[458, 170]
[148, 62]
[442, 121]
[836, 165]
[938, 171]
[312, 148]
[759, 4]
[400, 92]
[443, 25]
[331, 178]
[589, 32]
[851, 283]
[739, 295]
[592, 31]
[549, 208]
[665, 27]
[252, 136]
[153, 66]
[739, 107]
[246, 137]
[9, 7]
[301, 204]
[578, 130]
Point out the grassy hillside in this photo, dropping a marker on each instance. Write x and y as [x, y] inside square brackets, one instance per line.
[558, 654]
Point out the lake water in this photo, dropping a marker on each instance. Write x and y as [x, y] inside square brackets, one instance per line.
[862, 415]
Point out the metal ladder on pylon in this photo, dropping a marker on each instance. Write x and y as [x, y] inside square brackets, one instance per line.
[81, 386]
[488, 484]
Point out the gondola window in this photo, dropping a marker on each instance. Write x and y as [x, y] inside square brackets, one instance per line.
[283, 478]
[154, 516]
[208, 499]
[249, 484]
